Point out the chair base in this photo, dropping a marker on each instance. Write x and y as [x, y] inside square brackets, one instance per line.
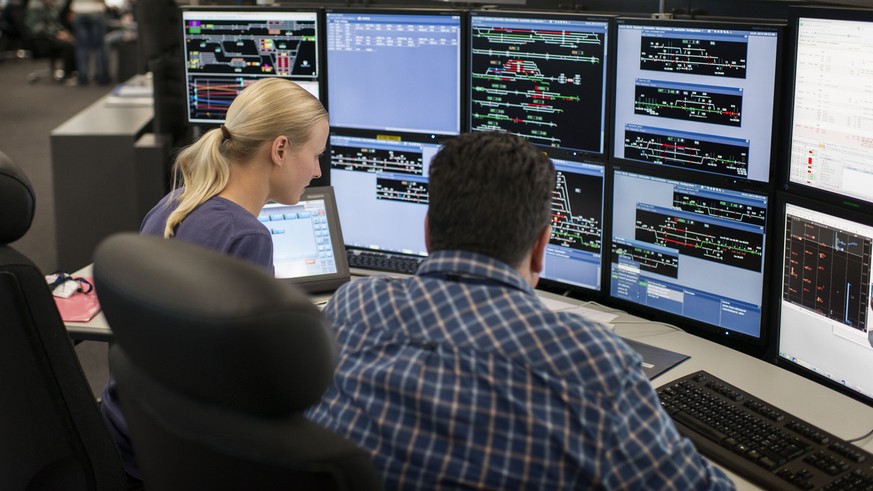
[55, 74]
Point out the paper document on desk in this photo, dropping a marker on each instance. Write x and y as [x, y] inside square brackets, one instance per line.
[117, 101]
[586, 312]
[137, 91]
[133, 90]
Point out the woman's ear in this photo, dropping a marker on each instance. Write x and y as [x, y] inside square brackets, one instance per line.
[279, 149]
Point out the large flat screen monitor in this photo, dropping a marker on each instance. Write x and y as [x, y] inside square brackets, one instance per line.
[824, 323]
[832, 117]
[573, 259]
[692, 253]
[395, 70]
[380, 183]
[697, 95]
[542, 76]
[226, 49]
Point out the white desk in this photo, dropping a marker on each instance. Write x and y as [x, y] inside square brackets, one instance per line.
[825, 408]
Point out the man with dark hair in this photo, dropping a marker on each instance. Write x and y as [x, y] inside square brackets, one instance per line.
[460, 377]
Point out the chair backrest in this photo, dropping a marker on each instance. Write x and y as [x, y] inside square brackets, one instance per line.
[52, 435]
[215, 362]
[13, 19]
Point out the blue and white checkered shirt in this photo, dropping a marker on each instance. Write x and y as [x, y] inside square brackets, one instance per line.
[460, 377]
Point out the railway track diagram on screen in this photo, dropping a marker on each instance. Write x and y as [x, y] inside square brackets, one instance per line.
[282, 48]
[543, 84]
[719, 207]
[693, 103]
[697, 56]
[678, 149]
[700, 237]
[225, 56]
[576, 211]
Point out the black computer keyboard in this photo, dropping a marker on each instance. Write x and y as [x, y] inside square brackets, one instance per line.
[760, 442]
[383, 262]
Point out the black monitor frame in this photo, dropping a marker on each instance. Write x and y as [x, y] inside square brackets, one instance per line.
[769, 158]
[753, 345]
[549, 282]
[773, 355]
[318, 15]
[324, 282]
[795, 14]
[554, 20]
[412, 11]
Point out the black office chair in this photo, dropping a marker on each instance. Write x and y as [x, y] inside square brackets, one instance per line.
[52, 435]
[21, 43]
[11, 34]
[215, 362]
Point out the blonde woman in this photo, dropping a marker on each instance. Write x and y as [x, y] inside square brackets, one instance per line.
[267, 149]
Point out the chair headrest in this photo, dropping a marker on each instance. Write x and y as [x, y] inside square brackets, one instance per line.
[16, 200]
[213, 327]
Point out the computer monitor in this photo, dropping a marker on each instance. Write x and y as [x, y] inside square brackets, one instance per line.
[697, 95]
[691, 254]
[381, 189]
[542, 76]
[395, 70]
[226, 49]
[824, 321]
[831, 146]
[307, 241]
[573, 258]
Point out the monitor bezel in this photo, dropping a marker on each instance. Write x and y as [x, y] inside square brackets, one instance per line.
[225, 9]
[784, 178]
[384, 10]
[571, 289]
[768, 25]
[781, 200]
[608, 80]
[753, 345]
[328, 281]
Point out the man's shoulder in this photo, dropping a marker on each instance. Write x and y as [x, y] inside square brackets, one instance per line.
[365, 287]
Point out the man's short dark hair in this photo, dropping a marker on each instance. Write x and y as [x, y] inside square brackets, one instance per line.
[490, 193]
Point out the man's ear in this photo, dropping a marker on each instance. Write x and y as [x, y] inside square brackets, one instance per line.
[427, 233]
[538, 252]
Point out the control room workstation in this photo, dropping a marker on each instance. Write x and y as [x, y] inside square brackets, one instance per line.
[713, 175]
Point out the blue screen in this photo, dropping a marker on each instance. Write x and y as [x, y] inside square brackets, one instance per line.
[692, 250]
[381, 191]
[697, 96]
[397, 72]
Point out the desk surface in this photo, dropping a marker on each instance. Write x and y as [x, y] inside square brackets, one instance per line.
[823, 407]
[101, 118]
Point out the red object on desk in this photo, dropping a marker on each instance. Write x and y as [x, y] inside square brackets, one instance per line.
[80, 307]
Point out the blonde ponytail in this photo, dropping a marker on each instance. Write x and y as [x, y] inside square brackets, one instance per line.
[260, 113]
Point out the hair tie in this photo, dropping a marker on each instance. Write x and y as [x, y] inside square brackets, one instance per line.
[225, 132]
